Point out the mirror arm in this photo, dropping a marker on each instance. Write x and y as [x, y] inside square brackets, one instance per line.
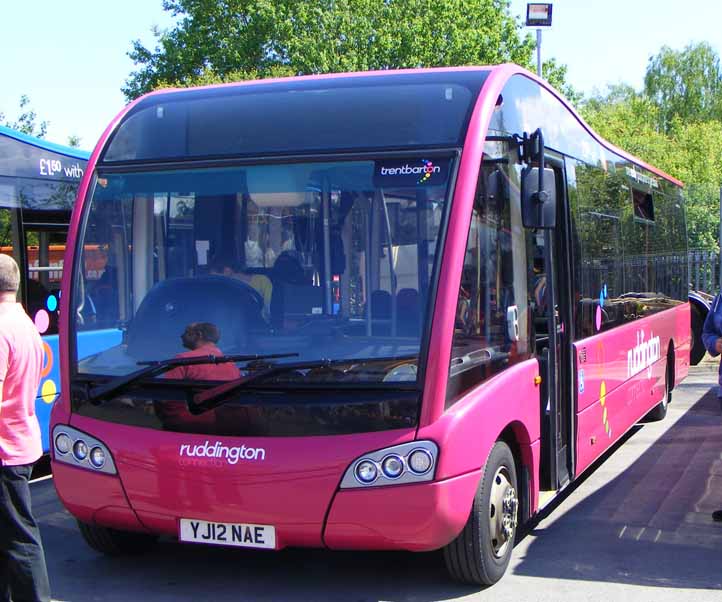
[542, 196]
[540, 152]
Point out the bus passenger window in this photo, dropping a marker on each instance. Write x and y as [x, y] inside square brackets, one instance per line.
[44, 252]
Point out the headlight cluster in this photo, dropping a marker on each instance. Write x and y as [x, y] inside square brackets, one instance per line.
[407, 463]
[79, 449]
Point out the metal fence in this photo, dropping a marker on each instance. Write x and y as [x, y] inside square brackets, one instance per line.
[704, 268]
[661, 273]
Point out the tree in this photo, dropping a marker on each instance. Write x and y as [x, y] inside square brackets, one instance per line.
[25, 122]
[628, 120]
[687, 150]
[228, 40]
[685, 84]
[74, 141]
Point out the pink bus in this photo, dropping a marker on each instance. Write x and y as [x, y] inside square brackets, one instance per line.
[389, 310]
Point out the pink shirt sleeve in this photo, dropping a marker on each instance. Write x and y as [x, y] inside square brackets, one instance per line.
[4, 358]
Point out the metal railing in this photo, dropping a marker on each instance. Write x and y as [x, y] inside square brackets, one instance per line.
[704, 270]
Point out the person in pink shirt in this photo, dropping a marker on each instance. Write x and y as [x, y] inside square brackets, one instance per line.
[200, 339]
[23, 573]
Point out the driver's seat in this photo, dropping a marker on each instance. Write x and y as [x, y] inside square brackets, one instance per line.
[229, 304]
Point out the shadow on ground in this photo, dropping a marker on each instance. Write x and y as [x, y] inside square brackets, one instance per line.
[171, 571]
[651, 525]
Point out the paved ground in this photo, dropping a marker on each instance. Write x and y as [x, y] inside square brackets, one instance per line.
[637, 528]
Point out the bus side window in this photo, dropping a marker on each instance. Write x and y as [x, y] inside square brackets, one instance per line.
[44, 252]
[481, 345]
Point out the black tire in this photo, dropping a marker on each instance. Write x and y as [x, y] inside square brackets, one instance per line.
[481, 554]
[112, 542]
[659, 411]
[697, 317]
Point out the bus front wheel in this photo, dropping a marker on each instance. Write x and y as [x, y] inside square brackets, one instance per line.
[481, 552]
[112, 542]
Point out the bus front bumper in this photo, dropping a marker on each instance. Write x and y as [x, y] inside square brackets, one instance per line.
[418, 518]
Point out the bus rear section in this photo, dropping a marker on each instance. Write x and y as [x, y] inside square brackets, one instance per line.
[354, 330]
[38, 185]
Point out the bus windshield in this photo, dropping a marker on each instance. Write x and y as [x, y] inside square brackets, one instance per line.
[324, 260]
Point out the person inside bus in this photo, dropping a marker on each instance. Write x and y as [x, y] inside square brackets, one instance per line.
[220, 266]
[539, 283]
[200, 338]
[105, 296]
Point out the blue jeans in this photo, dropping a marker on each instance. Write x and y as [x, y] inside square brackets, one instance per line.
[23, 574]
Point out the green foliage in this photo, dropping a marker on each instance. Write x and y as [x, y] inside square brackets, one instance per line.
[675, 124]
[230, 40]
[628, 120]
[685, 84]
[74, 141]
[26, 121]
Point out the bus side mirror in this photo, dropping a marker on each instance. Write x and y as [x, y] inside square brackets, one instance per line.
[538, 198]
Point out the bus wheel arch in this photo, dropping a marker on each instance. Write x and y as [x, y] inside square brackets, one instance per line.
[659, 411]
[113, 542]
[517, 438]
[480, 554]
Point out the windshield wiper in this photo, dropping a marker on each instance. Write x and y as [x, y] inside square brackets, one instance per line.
[156, 367]
[212, 398]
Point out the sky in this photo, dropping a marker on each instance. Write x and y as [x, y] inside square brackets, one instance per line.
[70, 56]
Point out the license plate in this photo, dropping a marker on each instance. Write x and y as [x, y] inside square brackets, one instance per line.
[228, 534]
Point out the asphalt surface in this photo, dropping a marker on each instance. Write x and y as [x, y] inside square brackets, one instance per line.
[637, 527]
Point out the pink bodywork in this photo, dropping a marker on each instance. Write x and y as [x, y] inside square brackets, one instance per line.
[613, 399]
[296, 487]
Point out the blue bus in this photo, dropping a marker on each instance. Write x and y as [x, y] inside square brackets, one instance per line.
[38, 184]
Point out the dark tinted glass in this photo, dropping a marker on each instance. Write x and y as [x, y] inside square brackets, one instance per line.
[643, 205]
[38, 195]
[493, 293]
[290, 117]
[322, 259]
[626, 266]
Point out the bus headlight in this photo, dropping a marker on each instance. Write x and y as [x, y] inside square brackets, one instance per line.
[87, 452]
[63, 443]
[420, 461]
[392, 466]
[403, 464]
[366, 472]
[80, 450]
[97, 457]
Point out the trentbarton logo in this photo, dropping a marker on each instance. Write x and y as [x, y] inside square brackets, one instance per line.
[422, 172]
[232, 454]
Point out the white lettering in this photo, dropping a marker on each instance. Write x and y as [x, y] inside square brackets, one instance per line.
[410, 170]
[75, 171]
[217, 450]
[643, 355]
[640, 177]
[51, 167]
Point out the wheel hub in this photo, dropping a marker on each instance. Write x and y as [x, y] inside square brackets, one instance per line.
[503, 512]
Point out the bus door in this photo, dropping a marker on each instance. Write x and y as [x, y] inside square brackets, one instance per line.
[552, 320]
[42, 255]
